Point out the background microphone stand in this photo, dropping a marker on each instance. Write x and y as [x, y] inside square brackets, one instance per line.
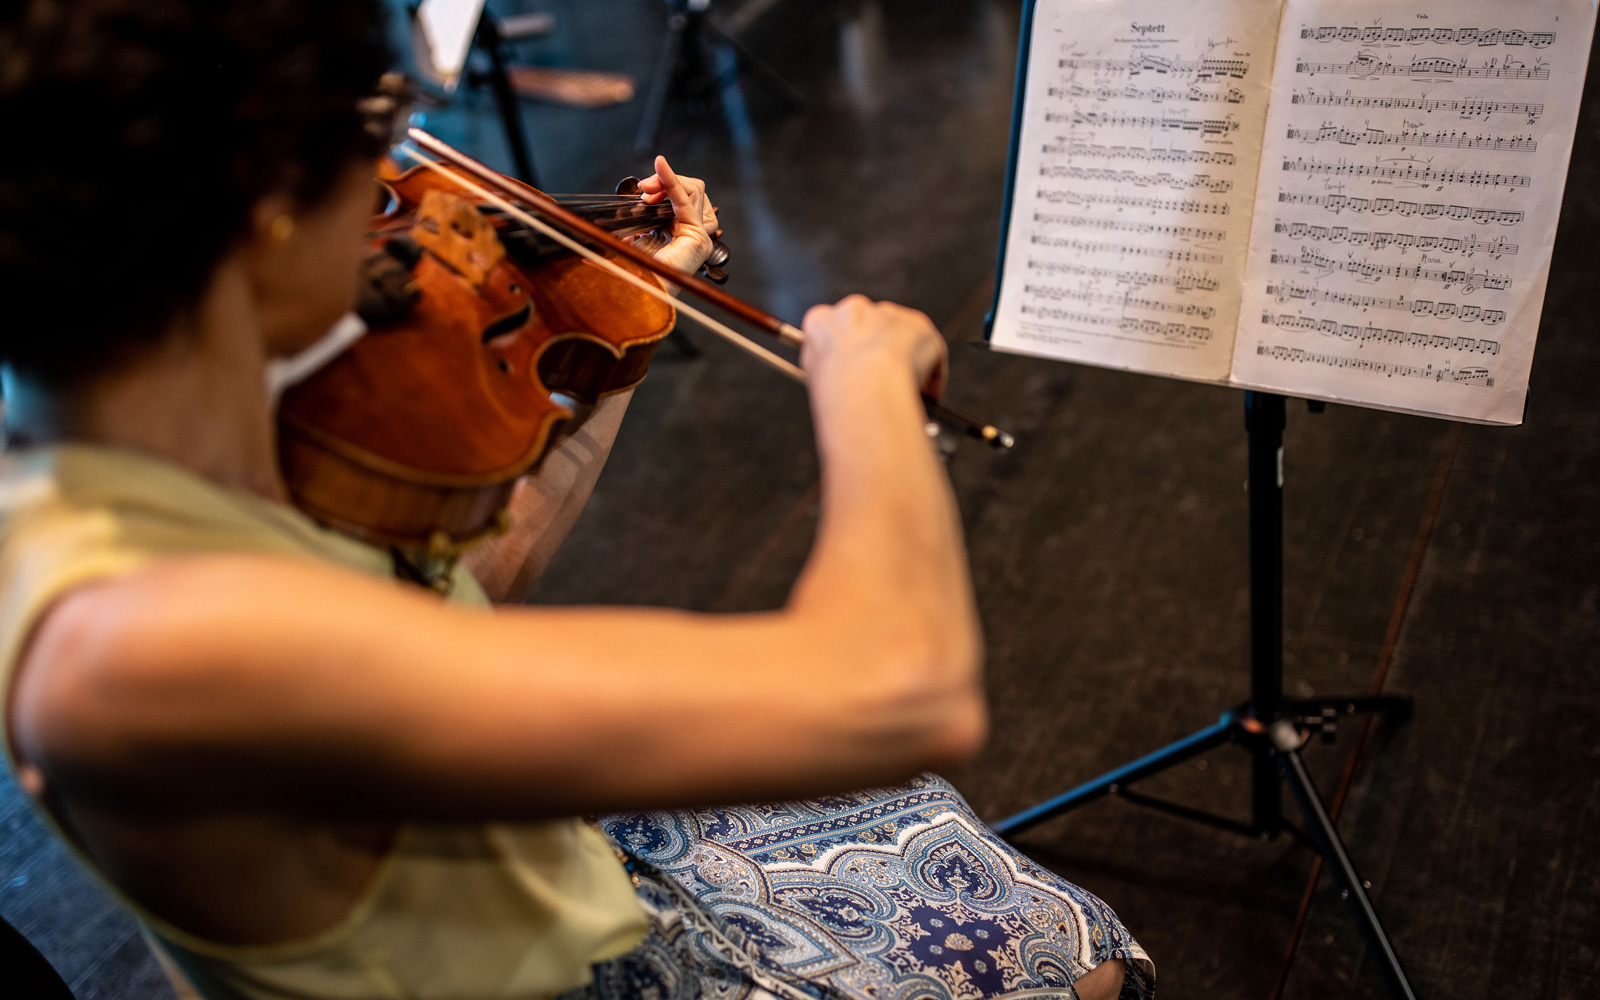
[1269, 727]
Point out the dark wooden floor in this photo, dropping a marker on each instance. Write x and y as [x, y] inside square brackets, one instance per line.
[1109, 548]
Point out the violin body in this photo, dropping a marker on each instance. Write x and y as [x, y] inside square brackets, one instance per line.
[415, 435]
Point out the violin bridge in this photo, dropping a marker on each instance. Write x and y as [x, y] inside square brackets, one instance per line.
[450, 228]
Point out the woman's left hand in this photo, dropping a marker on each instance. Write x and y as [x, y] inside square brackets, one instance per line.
[696, 219]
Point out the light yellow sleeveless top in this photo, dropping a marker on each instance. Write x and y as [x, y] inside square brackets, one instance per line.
[457, 912]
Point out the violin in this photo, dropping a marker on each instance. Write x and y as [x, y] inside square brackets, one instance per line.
[414, 435]
[485, 320]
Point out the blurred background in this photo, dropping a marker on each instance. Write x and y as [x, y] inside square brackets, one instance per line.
[1109, 548]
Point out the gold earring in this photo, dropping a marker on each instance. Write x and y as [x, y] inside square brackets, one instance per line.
[282, 228]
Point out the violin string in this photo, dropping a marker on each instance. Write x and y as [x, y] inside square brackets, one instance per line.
[705, 291]
[785, 332]
[717, 327]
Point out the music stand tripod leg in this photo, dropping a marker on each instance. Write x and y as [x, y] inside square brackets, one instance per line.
[1285, 753]
[746, 59]
[505, 99]
[1173, 753]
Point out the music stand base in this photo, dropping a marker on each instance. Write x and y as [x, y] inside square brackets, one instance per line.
[1277, 747]
[1269, 727]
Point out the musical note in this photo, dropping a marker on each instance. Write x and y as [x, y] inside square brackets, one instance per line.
[1408, 172]
[1468, 280]
[1185, 206]
[1156, 155]
[1372, 334]
[1471, 108]
[1151, 95]
[1138, 179]
[1375, 34]
[1127, 250]
[1175, 123]
[1127, 300]
[1448, 140]
[1288, 291]
[1337, 203]
[1183, 281]
[1203, 69]
[1405, 241]
[1465, 376]
[1145, 228]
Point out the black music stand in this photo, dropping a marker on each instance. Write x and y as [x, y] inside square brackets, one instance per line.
[1268, 726]
[688, 66]
[491, 36]
[491, 39]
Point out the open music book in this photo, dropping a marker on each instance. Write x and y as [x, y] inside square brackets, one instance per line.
[1351, 200]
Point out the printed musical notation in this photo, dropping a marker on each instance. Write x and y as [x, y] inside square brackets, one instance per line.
[1366, 65]
[1136, 165]
[1177, 182]
[1200, 69]
[1183, 280]
[1469, 281]
[1466, 108]
[1128, 250]
[1444, 373]
[1337, 203]
[1126, 324]
[1466, 247]
[1120, 226]
[1447, 140]
[1377, 335]
[1379, 189]
[1291, 292]
[1413, 168]
[1183, 206]
[1127, 300]
[1169, 123]
[1159, 154]
[1408, 172]
[1375, 34]
[1151, 95]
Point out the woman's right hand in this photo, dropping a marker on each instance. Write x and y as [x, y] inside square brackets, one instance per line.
[855, 332]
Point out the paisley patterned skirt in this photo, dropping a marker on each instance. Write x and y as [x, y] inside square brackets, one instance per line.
[889, 894]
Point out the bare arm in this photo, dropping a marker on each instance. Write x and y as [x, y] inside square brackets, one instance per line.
[233, 681]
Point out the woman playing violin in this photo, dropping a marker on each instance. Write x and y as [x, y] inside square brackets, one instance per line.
[307, 779]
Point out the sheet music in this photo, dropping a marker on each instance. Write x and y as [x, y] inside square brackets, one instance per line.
[1411, 180]
[1136, 169]
[447, 27]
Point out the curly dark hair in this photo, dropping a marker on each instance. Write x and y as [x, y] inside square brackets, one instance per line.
[142, 133]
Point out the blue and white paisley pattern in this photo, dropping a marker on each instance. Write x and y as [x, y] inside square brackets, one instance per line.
[889, 894]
